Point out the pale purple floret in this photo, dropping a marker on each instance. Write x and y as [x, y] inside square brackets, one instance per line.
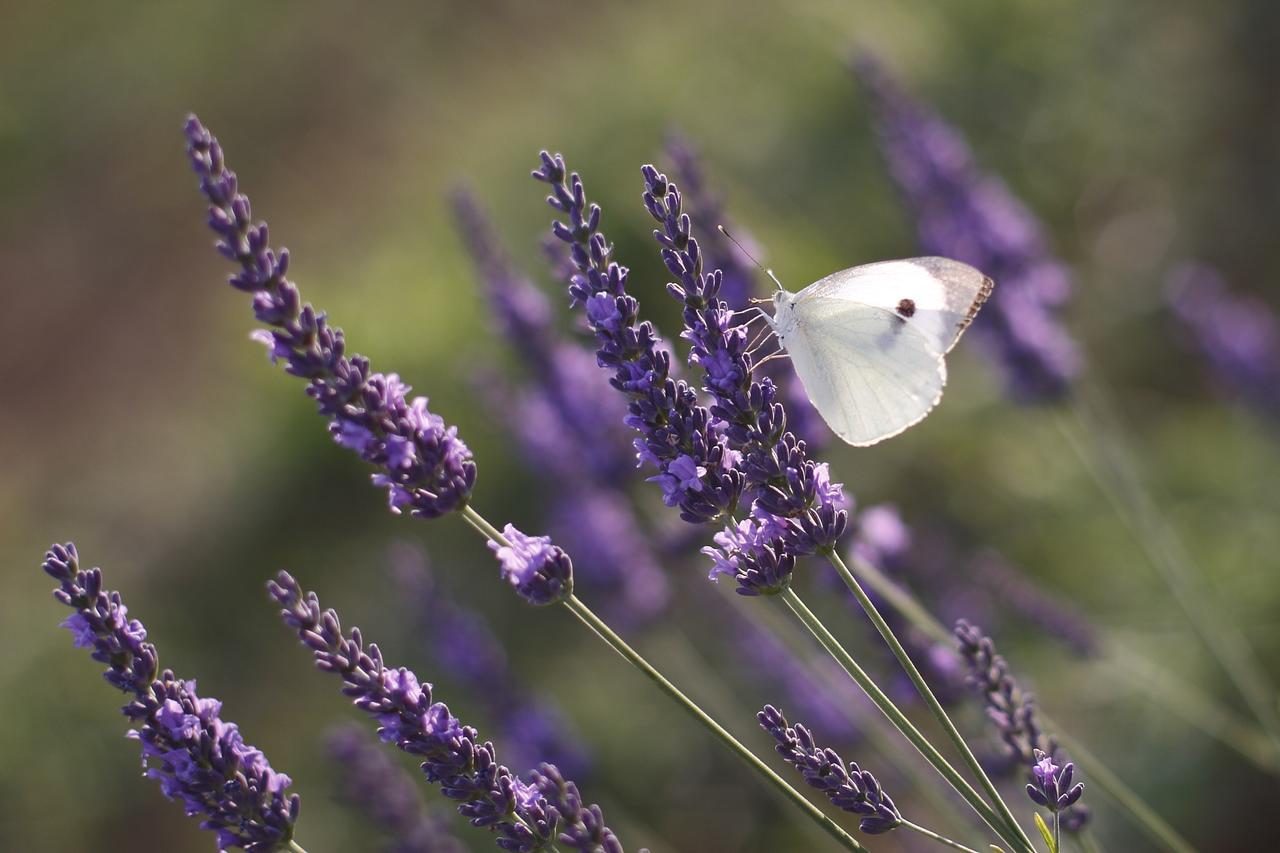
[1238, 335]
[422, 463]
[466, 769]
[960, 212]
[1052, 786]
[379, 787]
[848, 787]
[540, 571]
[197, 758]
[463, 645]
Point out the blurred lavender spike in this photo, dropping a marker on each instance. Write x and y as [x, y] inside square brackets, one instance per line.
[377, 786]
[462, 644]
[1012, 711]
[422, 463]
[848, 787]
[196, 756]
[569, 427]
[1238, 335]
[466, 769]
[961, 213]
[1019, 593]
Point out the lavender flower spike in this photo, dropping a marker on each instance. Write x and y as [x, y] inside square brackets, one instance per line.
[187, 747]
[377, 786]
[423, 464]
[466, 769]
[1012, 711]
[963, 214]
[847, 787]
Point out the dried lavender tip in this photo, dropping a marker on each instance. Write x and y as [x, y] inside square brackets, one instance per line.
[422, 463]
[196, 756]
[848, 787]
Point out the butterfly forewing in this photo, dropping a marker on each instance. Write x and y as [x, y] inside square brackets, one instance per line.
[938, 296]
[869, 373]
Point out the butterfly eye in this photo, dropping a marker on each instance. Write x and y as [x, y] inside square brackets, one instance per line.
[907, 308]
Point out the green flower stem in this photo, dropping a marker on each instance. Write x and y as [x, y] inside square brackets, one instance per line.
[296, 847]
[1144, 817]
[1112, 466]
[931, 701]
[941, 839]
[899, 720]
[605, 633]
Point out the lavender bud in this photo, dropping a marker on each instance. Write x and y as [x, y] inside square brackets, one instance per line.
[540, 571]
[1052, 787]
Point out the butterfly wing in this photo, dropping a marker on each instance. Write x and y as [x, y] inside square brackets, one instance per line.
[869, 373]
[938, 296]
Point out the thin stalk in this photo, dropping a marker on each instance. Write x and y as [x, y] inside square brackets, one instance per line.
[1144, 817]
[1112, 467]
[601, 629]
[941, 839]
[1057, 831]
[296, 847]
[899, 720]
[931, 701]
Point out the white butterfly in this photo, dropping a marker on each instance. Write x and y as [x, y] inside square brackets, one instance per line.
[868, 343]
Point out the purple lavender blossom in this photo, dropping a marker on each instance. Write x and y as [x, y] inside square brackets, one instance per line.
[422, 463]
[187, 747]
[540, 572]
[742, 438]
[848, 787]
[1238, 335]
[467, 770]
[961, 213]
[665, 411]
[583, 827]
[378, 787]
[1052, 787]
[1012, 711]
[463, 645]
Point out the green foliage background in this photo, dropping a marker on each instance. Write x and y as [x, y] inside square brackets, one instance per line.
[142, 423]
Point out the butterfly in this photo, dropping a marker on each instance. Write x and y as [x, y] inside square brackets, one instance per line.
[869, 343]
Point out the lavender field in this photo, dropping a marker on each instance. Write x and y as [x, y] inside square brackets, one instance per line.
[499, 387]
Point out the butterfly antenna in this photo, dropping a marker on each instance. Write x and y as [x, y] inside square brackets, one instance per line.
[742, 249]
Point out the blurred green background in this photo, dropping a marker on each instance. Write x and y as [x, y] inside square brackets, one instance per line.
[146, 426]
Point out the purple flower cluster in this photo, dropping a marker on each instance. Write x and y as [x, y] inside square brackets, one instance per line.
[961, 213]
[847, 787]
[196, 756]
[1011, 710]
[461, 643]
[582, 826]
[793, 499]
[373, 782]
[697, 470]
[466, 769]
[1238, 335]
[1052, 787]
[423, 464]
[540, 571]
